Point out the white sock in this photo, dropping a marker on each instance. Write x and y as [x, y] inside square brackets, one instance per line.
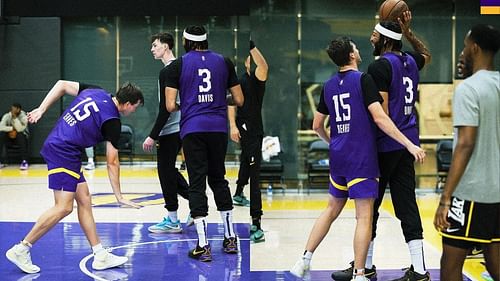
[91, 160]
[97, 248]
[417, 255]
[369, 256]
[25, 245]
[173, 216]
[201, 228]
[359, 277]
[307, 257]
[227, 220]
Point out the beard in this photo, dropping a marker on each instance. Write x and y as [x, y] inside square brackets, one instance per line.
[377, 48]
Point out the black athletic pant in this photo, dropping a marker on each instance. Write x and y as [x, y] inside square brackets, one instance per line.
[251, 155]
[397, 169]
[171, 180]
[205, 156]
[21, 140]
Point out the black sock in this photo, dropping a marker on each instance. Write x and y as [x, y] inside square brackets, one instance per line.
[239, 190]
[256, 222]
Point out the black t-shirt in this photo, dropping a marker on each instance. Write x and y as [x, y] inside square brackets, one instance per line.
[163, 114]
[381, 70]
[172, 74]
[368, 87]
[249, 117]
[110, 129]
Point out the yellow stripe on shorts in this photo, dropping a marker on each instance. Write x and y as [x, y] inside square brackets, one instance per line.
[64, 170]
[355, 181]
[338, 186]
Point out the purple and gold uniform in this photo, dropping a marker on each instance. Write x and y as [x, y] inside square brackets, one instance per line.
[353, 149]
[402, 97]
[79, 127]
[205, 74]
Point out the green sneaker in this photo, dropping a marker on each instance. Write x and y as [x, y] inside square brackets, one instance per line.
[241, 200]
[256, 235]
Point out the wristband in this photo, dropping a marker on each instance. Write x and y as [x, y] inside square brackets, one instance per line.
[252, 45]
[441, 204]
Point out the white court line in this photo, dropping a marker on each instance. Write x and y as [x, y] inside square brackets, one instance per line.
[83, 261]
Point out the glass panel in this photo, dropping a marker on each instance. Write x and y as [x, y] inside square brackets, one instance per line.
[89, 54]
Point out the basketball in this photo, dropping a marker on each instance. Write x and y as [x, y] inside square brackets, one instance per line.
[391, 10]
[12, 134]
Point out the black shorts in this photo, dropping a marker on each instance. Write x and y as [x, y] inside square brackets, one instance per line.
[472, 223]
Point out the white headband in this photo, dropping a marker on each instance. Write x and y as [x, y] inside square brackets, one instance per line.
[192, 37]
[386, 32]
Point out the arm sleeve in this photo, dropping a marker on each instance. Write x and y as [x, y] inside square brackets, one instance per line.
[233, 78]
[465, 107]
[173, 74]
[419, 59]
[84, 86]
[380, 70]
[111, 130]
[370, 92]
[163, 113]
[322, 108]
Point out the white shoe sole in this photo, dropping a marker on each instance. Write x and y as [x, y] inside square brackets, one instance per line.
[11, 256]
[163, 231]
[117, 263]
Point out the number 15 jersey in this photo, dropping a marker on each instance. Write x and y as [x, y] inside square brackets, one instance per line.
[80, 125]
[353, 150]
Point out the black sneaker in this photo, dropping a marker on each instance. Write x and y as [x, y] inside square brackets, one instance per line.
[230, 245]
[346, 274]
[411, 275]
[201, 253]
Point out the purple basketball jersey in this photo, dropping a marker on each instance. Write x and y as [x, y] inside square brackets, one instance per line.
[402, 96]
[79, 127]
[353, 150]
[202, 88]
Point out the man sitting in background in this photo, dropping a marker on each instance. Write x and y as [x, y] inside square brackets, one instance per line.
[14, 131]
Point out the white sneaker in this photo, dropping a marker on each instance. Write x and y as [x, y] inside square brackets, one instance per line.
[22, 258]
[104, 260]
[300, 269]
[90, 166]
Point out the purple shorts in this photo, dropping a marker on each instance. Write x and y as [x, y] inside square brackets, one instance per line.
[61, 178]
[342, 187]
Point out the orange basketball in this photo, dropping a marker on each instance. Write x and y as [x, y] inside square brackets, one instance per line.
[12, 134]
[391, 10]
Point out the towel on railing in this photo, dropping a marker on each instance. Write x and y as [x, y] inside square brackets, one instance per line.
[270, 147]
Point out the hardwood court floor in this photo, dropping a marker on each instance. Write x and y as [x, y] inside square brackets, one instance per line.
[64, 254]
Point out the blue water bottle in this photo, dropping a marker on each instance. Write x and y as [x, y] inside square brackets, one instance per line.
[269, 190]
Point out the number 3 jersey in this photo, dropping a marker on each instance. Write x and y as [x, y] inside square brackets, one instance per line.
[204, 78]
[403, 93]
[353, 149]
[80, 126]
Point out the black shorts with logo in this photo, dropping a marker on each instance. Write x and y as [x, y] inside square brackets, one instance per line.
[472, 223]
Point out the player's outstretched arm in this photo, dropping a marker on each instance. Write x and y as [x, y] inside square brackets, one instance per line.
[387, 126]
[259, 60]
[113, 165]
[58, 90]
[415, 42]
